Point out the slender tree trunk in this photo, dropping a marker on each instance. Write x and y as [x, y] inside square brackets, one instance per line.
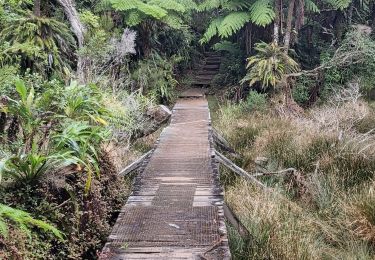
[73, 17]
[289, 21]
[276, 23]
[373, 17]
[79, 30]
[300, 17]
[248, 37]
[36, 10]
[339, 25]
[299, 20]
[3, 121]
[350, 13]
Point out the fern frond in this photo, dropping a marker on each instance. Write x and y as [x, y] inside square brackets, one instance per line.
[212, 30]
[339, 4]
[148, 9]
[173, 21]
[311, 6]
[125, 5]
[23, 220]
[188, 4]
[236, 5]
[168, 5]
[133, 18]
[227, 46]
[262, 13]
[232, 23]
[207, 5]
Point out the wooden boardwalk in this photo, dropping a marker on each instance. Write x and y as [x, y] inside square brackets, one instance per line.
[175, 210]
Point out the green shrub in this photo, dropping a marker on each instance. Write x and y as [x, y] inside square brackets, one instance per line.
[301, 91]
[156, 77]
[256, 101]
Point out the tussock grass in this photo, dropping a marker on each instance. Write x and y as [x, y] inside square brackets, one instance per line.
[326, 209]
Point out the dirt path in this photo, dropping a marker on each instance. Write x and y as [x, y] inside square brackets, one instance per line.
[175, 210]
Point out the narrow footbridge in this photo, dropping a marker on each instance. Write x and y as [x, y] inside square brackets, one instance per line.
[175, 210]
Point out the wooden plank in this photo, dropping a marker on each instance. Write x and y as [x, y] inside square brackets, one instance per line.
[236, 169]
[135, 165]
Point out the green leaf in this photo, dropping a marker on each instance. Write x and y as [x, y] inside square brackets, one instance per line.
[232, 23]
[168, 5]
[262, 13]
[227, 46]
[339, 4]
[212, 30]
[21, 89]
[311, 6]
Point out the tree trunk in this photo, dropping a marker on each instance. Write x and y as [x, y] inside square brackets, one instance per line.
[339, 25]
[36, 10]
[72, 15]
[276, 23]
[373, 17]
[300, 17]
[350, 13]
[289, 21]
[3, 121]
[248, 37]
[79, 30]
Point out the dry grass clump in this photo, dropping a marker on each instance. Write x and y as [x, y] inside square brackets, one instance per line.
[360, 212]
[325, 209]
[278, 230]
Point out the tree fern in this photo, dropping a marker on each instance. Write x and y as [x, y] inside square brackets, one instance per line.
[52, 41]
[262, 13]
[133, 18]
[207, 5]
[168, 5]
[148, 9]
[311, 6]
[236, 5]
[235, 14]
[173, 21]
[122, 5]
[188, 4]
[212, 30]
[170, 12]
[227, 46]
[232, 23]
[23, 220]
[339, 4]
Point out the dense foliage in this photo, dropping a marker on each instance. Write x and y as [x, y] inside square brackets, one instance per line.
[80, 81]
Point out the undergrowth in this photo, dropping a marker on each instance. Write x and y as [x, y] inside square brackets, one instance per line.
[324, 208]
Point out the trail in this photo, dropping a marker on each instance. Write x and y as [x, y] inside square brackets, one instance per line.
[175, 210]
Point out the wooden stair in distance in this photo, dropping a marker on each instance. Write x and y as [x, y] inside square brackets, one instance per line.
[207, 71]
